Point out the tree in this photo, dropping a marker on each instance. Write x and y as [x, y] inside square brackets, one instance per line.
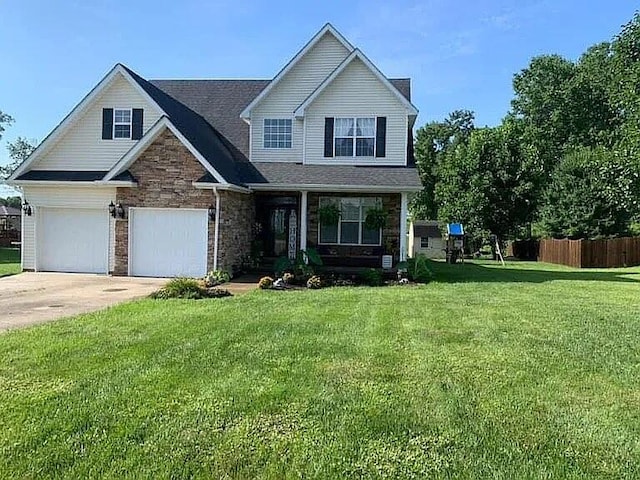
[625, 90]
[489, 183]
[4, 120]
[433, 141]
[594, 192]
[15, 202]
[19, 151]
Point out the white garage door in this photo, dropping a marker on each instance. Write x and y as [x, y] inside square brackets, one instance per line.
[168, 242]
[73, 240]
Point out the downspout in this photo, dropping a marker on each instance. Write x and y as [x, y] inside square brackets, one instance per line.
[216, 229]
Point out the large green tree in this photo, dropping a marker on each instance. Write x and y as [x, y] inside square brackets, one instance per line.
[19, 151]
[5, 120]
[594, 192]
[433, 141]
[489, 183]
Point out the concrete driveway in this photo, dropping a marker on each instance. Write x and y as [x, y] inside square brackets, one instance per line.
[30, 298]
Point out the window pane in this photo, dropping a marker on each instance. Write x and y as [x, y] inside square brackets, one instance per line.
[364, 147]
[370, 237]
[366, 127]
[122, 131]
[329, 233]
[349, 232]
[344, 127]
[277, 132]
[122, 116]
[344, 147]
[350, 209]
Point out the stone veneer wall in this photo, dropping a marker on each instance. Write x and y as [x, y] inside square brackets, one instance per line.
[165, 172]
[391, 203]
[237, 216]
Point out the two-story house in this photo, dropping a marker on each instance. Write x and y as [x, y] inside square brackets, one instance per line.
[177, 177]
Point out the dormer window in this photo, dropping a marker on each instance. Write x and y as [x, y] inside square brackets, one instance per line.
[277, 133]
[121, 123]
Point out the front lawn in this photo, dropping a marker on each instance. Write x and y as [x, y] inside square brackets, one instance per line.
[529, 371]
[9, 261]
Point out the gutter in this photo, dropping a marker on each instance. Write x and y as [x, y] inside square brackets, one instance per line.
[216, 229]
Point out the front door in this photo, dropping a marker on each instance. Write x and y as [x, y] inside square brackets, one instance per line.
[279, 222]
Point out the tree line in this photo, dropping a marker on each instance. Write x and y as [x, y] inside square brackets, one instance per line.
[564, 162]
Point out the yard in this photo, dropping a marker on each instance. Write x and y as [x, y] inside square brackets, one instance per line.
[529, 371]
[9, 261]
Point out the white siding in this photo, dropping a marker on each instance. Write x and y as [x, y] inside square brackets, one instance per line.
[82, 147]
[357, 92]
[74, 197]
[289, 93]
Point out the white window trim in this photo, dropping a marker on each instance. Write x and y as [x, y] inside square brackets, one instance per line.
[360, 227]
[264, 121]
[130, 124]
[355, 137]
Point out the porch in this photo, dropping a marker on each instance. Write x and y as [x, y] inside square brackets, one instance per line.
[290, 221]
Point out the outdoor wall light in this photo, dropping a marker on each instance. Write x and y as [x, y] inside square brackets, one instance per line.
[212, 213]
[26, 208]
[117, 210]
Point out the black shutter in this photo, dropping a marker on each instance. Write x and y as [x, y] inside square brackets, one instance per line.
[328, 137]
[381, 137]
[107, 123]
[136, 124]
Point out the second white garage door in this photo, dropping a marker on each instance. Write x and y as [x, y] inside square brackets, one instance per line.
[168, 242]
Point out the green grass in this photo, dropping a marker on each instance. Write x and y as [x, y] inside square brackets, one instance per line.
[9, 261]
[529, 371]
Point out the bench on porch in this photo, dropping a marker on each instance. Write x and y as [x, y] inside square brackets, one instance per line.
[350, 256]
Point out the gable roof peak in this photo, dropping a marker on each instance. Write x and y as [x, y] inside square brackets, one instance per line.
[327, 28]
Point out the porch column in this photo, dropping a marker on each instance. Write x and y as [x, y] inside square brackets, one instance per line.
[404, 213]
[303, 220]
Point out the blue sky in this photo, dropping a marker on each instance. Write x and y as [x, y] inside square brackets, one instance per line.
[459, 54]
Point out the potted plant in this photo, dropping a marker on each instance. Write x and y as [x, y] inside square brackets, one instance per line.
[375, 218]
[329, 214]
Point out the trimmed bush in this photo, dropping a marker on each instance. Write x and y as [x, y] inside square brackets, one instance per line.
[314, 282]
[371, 277]
[188, 288]
[418, 269]
[265, 283]
[216, 277]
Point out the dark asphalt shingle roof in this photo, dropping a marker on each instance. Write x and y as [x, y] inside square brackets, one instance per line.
[343, 175]
[207, 113]
[73, 176]
[9, 211]
[426, 231]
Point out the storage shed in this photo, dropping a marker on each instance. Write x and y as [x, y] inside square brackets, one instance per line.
[425, 237]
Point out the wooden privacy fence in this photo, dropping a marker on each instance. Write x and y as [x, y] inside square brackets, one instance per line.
[604, 253]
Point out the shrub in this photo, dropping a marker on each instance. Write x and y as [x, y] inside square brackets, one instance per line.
[371, 277]
[418, 269]
[265, 283]
[314, 282]
[188, 288]
[216, 277]
[218, 293]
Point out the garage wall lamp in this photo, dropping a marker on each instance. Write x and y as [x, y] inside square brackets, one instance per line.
[117, 210]
[26, 208]
[212, 213]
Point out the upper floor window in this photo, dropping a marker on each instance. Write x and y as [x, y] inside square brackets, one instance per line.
[354, 137]
[277, 133]
[121, 123]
